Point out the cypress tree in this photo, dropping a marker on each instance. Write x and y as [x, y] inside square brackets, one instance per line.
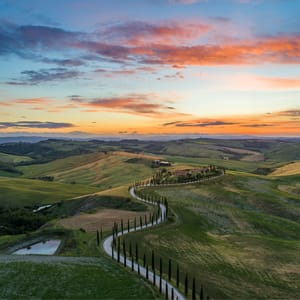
[117, 229]
[147, 272]
[101, 233]
[128, 225]
[160, 274]
[132, 263]
[136, 253]
[135, 223]
[122, 227]
[112, 251]
[124, 253]
[186, 283]
[194, 290]
[154, 277]
[125, 262]
[119, 252]
[170, 270]
[160, 267]
[146, 220]
[177, 276]
[167, 291]
[141, 222]
[152, 261]
[98, 239]
[130, 250]
[201, 293]
[144, 260]
[172, 294]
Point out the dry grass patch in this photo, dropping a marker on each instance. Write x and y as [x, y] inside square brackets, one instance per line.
[104, 218]
[286, 170]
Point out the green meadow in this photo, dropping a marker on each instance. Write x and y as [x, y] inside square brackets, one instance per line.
[61, 278]
[239, 235]
[19, 192]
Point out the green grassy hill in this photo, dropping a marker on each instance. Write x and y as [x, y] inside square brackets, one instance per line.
[98, 169]
[61, 278]
[238, 236]
[20, 192]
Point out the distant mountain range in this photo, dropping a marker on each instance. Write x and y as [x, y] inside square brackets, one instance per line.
[82, 136]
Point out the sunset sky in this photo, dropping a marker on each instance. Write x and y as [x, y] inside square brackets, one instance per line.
[123, 67]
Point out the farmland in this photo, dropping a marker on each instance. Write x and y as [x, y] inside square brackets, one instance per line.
[237, 235]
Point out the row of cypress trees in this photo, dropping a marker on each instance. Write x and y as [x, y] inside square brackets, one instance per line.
[128, 251]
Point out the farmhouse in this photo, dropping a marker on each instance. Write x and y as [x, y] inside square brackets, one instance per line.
[161, 163]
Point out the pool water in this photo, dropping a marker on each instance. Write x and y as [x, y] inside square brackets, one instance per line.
[47, 247]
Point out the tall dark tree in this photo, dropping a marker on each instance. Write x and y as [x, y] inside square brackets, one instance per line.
[169, 270]
[167, 291]
[101, 233]
[98, 238]
[128, 226]
[136, 253]
[119, 249]
[172, 294]
[186, 284]
[124, 252]
[146, 220]
[152, 260]
[147, 272]
[160, 274]
[154, 277]
[122, 227]
[201, 293]
[135, 223]
[112, 250]
[132, 263]
[194, 290]
[177, 276]
[144, 259]
[130, 250]
[141, 222]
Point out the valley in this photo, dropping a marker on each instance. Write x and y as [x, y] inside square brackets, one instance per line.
[239, 230]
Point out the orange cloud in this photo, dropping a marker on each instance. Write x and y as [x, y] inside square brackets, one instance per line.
[35, 101]
[277, 123]
[281, 49]
[281, 82]
[149, 105]
[143, 33]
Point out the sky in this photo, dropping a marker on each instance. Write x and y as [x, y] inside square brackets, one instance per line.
[125, 67]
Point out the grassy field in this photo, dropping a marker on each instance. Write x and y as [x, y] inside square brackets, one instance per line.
[13, 158]
[19, 192]
[292, 168]
[238, 236]
[101, 170]
[70, 279]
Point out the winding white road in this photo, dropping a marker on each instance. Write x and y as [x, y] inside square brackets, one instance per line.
[167, 288]
[107, 246]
